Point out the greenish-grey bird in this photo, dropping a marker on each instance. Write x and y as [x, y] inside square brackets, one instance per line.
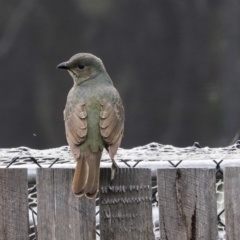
[94, 120]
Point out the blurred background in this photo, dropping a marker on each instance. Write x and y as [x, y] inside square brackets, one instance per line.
[175, 63]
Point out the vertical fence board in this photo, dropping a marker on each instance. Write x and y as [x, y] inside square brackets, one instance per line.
[232, 202]
[187, 204]
[125, 205]
[13, 204]
[61, 215]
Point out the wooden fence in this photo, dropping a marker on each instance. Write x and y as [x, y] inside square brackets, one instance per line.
[186, 198]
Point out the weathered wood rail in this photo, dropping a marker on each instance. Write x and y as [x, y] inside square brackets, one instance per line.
[186, 198]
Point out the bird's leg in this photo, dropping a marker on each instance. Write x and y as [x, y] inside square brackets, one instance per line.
[113, 169]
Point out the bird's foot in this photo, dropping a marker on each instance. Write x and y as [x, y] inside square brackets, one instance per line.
[113, 169]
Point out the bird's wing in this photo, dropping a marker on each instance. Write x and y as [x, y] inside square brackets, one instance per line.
[112, 125]
[76, 126]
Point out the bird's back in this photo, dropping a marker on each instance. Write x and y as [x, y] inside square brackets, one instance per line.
[91, 93]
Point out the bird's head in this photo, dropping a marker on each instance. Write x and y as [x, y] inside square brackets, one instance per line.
[83, 66]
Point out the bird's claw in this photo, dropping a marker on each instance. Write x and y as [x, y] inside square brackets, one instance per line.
[113, 169]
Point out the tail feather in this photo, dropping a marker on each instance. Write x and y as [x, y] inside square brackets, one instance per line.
[80, 176]
[93, 178]
[86, 176]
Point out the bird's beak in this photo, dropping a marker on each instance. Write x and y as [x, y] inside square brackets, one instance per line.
[62, 65]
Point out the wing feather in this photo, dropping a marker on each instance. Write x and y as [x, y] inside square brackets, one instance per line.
[70, 133]
[112, 125]
[75, 126]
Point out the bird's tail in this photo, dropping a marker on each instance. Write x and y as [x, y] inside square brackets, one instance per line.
[86, 176]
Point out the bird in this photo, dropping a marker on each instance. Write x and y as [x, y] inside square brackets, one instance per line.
[94, 120]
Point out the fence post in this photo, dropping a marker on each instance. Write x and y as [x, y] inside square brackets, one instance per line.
[232, 202]
[61, 215]
[187, 204]
[126, 205]
[13, 204]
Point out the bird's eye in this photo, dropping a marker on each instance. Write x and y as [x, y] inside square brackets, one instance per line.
[81, 66]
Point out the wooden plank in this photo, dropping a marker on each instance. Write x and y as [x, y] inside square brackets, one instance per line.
[61, 215]
[232, 202]
[13, 204]
[187, 204]
[125, 205]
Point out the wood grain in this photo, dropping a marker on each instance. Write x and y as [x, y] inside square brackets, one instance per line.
[232, 202]
[125, 205]
[13, 204]
[187, 204]
[61, 215]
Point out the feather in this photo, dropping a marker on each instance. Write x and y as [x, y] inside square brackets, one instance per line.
[86, 176]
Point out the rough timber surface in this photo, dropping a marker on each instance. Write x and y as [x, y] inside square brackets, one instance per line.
[125, 205]
[61, 215]
[13, 204]
[232, 202]
[187, 204]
